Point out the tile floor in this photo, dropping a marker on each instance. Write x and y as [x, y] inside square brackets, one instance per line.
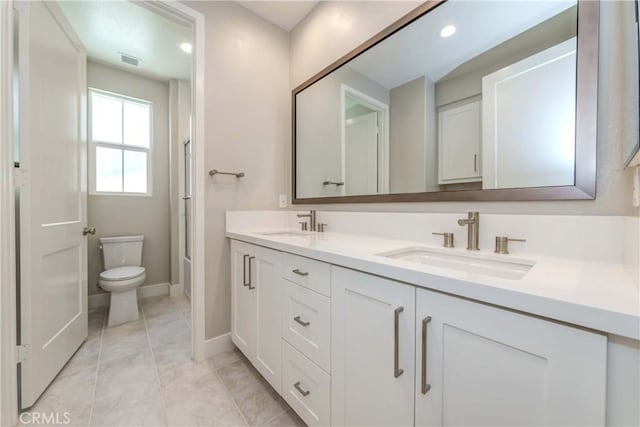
[141, 374]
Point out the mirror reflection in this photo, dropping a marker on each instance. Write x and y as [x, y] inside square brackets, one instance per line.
[471, 96]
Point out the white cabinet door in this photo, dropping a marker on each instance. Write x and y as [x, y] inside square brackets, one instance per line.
[372, 354]
[266, 284]
[243, 301]
[459, 142]
[490, 366]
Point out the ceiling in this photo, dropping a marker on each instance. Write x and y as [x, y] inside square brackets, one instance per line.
[109, 28]
[418, 50]
[285, 14]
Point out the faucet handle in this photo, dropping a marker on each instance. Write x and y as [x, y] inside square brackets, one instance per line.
[447, 239]
[321, 227]
[502, 244]
[303, 225]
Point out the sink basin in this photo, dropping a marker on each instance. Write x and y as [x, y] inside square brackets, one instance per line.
[285, 233]
[495, 266]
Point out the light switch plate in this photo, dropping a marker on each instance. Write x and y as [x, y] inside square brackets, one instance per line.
[283, 200]
[636, 187]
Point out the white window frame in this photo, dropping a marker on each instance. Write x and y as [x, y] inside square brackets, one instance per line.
[93, 145]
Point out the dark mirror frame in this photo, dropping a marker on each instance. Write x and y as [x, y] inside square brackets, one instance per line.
[584, 187]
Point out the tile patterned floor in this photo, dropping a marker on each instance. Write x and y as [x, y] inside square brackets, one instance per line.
[141, 374]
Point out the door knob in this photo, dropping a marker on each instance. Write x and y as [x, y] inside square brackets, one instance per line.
[88, 230]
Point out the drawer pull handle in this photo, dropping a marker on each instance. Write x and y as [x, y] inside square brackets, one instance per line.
[302, 322]
[250, 284]
[396, 342]
[300, 273]
[244, 270]
[300, 390]
[425, 386]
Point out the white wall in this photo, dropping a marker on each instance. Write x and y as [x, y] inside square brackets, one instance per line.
[125, 215]
[247, 115]
[334, 28]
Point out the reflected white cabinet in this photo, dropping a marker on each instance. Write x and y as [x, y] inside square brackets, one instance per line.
[256, 307]
[459, 137]
[489, 366]
[372, 362]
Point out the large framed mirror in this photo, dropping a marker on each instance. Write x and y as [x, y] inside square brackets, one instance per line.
[458, 100]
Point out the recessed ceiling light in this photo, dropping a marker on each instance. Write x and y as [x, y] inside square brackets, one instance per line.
[186, 47]
[447, 31]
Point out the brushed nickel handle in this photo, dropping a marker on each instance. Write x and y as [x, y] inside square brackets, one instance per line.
[475, 163]
[301, 390]
[447, 241]
[300, 273]
[249, 284]
[425, 386]
[302, 322]
[396, 342]
[244, 270]
[88, 230]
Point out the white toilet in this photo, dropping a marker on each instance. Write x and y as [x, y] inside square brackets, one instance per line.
[122, 275]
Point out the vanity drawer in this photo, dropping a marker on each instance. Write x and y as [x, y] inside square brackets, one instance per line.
[307, 323]
[307, 272]
[305, 387]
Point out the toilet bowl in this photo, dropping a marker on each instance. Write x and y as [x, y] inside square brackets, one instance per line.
[122, 276]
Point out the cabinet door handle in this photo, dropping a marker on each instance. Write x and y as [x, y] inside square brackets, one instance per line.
[300, 390]
[303, 323]
[396, 344]
[249, 284]
[424, 385]
[475, 163]
[244, 270]
[300, 273]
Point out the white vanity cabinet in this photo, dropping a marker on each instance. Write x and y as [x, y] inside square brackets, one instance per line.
[490, 366]
[373, 342]
[344, 347]
[256, 307]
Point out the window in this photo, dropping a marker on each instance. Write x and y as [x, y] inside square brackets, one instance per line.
[120, 136]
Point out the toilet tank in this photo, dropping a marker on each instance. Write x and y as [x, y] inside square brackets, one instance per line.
[122, 250]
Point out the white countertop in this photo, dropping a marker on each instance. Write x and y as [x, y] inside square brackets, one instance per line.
[600, 296]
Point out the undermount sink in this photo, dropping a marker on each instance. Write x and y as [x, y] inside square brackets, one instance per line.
[512, 268]
[285, 233]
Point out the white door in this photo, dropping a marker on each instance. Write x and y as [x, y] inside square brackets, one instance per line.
[243, 301]
[53, 252]
[372, 350]
[459, 142]
[361, 154]
[528, 121]
[267, 285]
[493, 367]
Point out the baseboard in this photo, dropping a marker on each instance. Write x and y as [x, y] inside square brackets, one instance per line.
[98, 300]
[176, 290]
[147, 291]
[154, 290]
[217, 345]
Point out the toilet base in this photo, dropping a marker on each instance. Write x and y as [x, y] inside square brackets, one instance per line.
[123, 307]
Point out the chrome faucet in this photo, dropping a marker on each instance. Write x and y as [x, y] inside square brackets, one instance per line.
[473, 230]
[312, 219]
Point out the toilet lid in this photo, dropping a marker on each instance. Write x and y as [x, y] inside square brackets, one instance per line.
[122, 273]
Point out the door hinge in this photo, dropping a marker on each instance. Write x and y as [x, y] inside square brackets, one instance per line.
[20, 178]
[22, 352]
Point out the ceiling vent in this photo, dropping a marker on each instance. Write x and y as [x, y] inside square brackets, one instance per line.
[128, 59]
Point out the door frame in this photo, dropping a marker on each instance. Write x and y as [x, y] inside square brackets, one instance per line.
[8, 300]
[383, 134]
